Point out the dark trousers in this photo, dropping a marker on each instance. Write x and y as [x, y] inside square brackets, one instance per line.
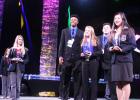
[15, 81]
[90, 70]
[5, 85]
[77, 80]
[111, 85]
[107, 90]
[60, 84]
[113, 94]
[67, 71]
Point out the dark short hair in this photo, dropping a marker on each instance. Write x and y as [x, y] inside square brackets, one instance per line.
[107, 24]
[75, 15]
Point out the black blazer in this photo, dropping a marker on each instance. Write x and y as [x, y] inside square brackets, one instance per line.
[97, 51]
[70, 54]
[13, 64]
[100, 42]
[106, 57]
[127, 44]
[4, 66]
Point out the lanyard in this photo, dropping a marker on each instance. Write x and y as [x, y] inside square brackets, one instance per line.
[104, 41]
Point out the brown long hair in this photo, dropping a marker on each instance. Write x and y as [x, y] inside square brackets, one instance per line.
[125, 26]
[93, 37]
[6, 53]
[124, 21]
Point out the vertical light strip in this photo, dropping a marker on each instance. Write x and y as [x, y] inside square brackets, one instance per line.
[69, 23]
[49, 37]
[1, 14]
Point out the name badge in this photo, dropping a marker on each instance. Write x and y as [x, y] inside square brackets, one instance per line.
[70, 43]
[103, 51]
[123, 38]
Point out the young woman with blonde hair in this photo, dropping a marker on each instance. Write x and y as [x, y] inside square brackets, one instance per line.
[18, 58]
[90, 54]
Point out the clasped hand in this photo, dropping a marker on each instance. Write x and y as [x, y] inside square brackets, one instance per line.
[87, 54]
[61, 60]
[17, 59]
[116, 48]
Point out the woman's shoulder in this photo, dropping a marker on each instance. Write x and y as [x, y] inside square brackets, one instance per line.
[128, 30]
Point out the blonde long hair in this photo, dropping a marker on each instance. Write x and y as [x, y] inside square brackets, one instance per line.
[15, 45]
[93, 37]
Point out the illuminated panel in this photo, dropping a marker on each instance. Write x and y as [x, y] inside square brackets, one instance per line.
[49, 37]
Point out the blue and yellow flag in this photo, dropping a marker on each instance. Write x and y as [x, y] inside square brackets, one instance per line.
[21, 18]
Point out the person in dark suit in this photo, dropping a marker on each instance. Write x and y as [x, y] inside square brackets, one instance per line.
[5, 75]
[123, 43]
[18, 58]
[90, 55]
[69, 58]
[110, 91]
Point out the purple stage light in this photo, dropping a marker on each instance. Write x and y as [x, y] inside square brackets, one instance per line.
[49, 37]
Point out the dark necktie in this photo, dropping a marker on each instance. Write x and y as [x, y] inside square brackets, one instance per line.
[72, 33]
[105, 40]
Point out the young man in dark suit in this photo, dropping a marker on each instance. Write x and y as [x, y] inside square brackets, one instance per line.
[69, 58]
[110, 91]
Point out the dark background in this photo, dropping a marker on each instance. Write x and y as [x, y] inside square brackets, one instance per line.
[91, 12]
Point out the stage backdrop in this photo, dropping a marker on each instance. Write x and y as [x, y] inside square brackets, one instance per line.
[49, 37]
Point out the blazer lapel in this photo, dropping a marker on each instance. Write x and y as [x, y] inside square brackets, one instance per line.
[69, 33]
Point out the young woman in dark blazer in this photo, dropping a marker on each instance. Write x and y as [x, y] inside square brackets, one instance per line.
[91, 52]
[123, 43]
[5, 75]
[18, 58]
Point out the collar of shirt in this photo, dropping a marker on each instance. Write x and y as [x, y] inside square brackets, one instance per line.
[105, 35]
[73, 28]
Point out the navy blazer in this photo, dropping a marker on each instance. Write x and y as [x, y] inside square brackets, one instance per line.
[127, 44]
[70, 54]
[13, 64]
